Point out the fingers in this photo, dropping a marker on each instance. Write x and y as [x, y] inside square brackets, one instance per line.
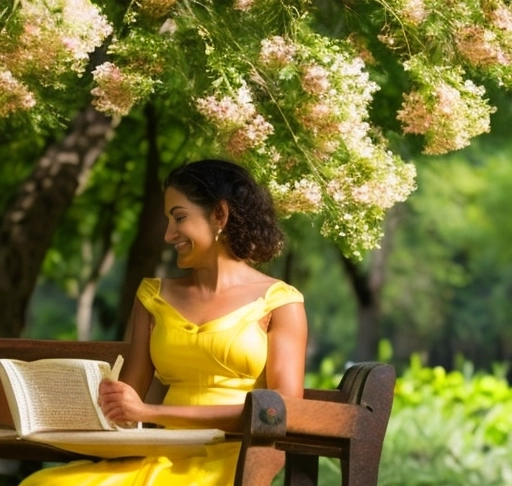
[109, 386]
[119, 402]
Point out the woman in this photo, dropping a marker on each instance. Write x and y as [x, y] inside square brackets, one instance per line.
[213, 335]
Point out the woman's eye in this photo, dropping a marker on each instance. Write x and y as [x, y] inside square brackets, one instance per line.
[179, 219]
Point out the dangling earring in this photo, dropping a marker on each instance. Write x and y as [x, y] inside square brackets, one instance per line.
[218, 234]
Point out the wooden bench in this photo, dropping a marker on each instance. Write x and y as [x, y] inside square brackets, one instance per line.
[348, 423]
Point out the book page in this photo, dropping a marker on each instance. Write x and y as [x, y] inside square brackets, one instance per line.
[56, 394]
[91, 370]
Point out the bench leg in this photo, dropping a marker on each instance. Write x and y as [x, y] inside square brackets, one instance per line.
[301, 470]
[259, 466]
[361, 466]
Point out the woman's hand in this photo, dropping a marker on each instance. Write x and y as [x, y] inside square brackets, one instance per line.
[120, 403]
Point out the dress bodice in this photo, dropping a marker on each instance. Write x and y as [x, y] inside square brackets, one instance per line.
[215, 362]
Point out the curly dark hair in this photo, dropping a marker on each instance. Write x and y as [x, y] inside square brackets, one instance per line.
[252, 231]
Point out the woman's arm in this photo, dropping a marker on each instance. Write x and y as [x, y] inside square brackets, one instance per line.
[120, 403]
[287, 340]
[138, 369]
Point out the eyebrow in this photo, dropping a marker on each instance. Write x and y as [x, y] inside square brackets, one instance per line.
[174, 209]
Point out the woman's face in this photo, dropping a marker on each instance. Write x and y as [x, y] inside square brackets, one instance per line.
[190, 230]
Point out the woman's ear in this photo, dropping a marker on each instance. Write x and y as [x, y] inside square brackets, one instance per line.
[221, 213]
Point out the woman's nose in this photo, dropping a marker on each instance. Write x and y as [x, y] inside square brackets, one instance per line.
[170, 233]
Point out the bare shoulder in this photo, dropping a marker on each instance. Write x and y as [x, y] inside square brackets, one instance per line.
[257, 284]
[255, 277]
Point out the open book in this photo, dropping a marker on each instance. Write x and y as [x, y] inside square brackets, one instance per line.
[56, 394]
[55, 402]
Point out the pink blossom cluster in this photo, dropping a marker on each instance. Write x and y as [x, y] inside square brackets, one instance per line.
[501, 17]
[228, 112]
[363, 186]
[480, 46]
[315, 79]
[14, 95]
[302, 196]
[389, 184]
[386, 181]
[276, 51]
[321, 120]
[57, 36]
[35, 51]
[336, 115]
[116, 91]
[76, 28]
[416, 115]
[85, 29]
[448, 116]
[414, 11]
[251, 135]
[236, 117]
[443, 107]
[350, 177]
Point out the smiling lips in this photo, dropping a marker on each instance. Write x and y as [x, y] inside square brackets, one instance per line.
[179, 246]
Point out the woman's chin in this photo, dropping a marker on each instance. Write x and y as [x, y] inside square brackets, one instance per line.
[182, 263]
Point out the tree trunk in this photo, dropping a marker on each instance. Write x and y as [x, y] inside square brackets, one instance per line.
[87, 294]
[95, 265]
[367, 285]
[148, 245]
[27, 227]
[367, 298]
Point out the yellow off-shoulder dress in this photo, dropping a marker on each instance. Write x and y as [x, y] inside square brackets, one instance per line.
[217, 362]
